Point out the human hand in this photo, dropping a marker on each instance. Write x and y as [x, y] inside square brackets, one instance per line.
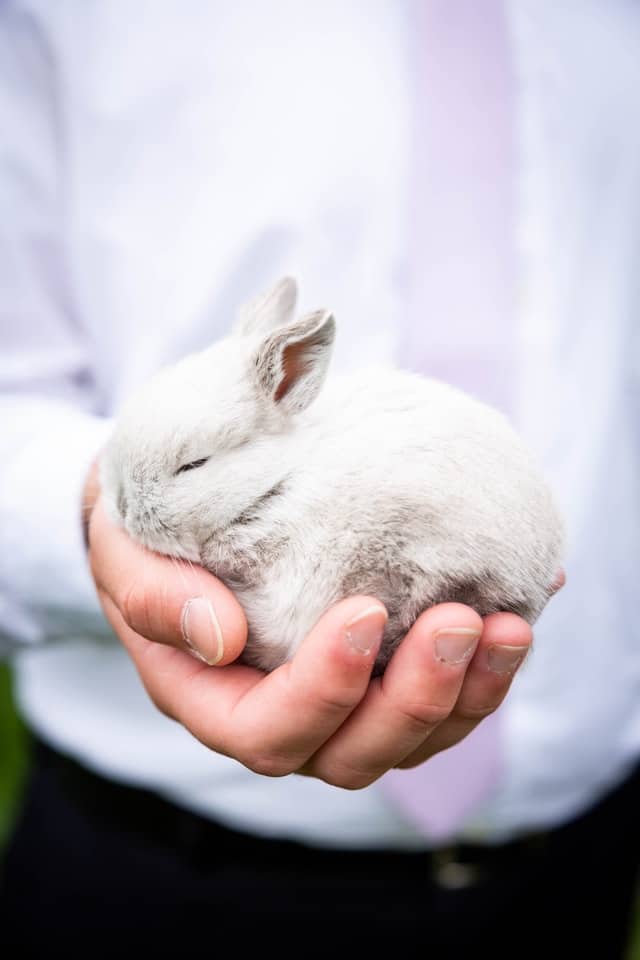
[319, 714]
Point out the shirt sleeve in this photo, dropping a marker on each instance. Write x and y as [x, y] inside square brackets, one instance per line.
[50, 424]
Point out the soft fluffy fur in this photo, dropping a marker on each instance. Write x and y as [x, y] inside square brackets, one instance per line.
[384, 483]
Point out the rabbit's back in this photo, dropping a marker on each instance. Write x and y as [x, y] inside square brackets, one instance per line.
[405, 489]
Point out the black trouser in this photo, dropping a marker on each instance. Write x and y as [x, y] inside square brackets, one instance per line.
[95, 864]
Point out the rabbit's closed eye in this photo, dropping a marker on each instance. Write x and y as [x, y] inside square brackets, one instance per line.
[191, 466]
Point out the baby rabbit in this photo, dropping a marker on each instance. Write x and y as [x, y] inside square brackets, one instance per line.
[384, 483]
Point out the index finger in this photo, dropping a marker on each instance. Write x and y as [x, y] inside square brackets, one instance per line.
[271, 723]
[165, 599]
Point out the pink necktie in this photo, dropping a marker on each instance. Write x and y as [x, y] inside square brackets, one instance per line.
[462, 297]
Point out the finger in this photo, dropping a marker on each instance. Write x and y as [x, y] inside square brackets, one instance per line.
[166, 672]
[505, 643]
[295, 709]
[165, 599]
[272, 723]
[417, 692]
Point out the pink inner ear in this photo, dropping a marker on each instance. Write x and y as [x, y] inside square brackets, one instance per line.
[293, 366]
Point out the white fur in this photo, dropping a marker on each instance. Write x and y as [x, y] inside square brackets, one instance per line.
[384, 483]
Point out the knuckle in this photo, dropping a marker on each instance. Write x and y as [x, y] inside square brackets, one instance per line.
[355, 781]
[417, 758]
[418, 715]
[348, 777]
[475, 711]
[324, 694]
[158, 701]
[269, 764]
[136, 609]
[335, 702]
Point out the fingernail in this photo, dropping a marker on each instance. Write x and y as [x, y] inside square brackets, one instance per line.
[201, 630]
[364, 633]
[456, 644]
[503, 659]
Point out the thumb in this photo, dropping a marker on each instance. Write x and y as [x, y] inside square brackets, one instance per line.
[164, 599]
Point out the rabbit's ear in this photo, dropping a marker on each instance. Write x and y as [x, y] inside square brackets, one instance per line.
[269, 310]
[291, 363]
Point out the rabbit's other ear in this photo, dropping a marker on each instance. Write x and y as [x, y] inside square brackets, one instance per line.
[268, 310]
[291, 364]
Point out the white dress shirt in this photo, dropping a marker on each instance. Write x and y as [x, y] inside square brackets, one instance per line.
[156, 168]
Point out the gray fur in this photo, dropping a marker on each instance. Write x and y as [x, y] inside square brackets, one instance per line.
[383, 483]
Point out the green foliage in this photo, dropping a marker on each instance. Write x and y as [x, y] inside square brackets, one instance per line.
[13, 755]
[634, 943]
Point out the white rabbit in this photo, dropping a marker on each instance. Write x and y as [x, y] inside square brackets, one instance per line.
[384, 483]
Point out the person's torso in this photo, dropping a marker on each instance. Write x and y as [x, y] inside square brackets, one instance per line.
[208, 154]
